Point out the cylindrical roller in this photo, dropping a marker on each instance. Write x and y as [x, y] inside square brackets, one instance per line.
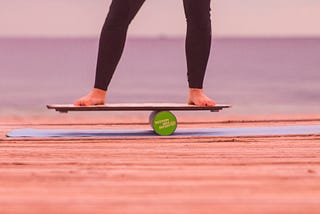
[163, 122]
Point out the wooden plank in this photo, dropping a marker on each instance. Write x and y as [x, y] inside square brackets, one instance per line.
[183, 175]
[138, 107]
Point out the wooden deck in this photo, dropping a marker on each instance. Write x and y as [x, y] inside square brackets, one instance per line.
[278, 174]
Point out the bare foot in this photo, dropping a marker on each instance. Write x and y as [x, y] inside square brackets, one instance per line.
[95, 97]
[198, 98]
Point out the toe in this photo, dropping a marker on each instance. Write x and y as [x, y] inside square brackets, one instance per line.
[202, 103]
[83, 103]
[211, 103]
[76, 103]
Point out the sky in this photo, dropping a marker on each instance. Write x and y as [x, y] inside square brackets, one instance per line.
[160, 18]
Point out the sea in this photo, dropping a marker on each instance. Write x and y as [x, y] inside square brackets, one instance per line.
[256, 75]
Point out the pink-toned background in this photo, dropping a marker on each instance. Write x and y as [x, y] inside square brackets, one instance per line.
[48, 51]
[83, 18]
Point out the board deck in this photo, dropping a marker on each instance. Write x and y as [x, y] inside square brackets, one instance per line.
[138, 107]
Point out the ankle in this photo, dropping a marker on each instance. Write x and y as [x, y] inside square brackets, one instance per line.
[195, 90]
[99, 92]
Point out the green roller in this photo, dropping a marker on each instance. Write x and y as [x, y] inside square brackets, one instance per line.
[164, 123]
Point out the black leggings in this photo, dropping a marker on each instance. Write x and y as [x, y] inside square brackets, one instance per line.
[114, 33]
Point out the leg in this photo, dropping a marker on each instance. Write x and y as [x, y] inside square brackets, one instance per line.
[111, 45]
[198, 44]
[113, 37]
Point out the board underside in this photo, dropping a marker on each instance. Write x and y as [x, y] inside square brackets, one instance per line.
[138, 107]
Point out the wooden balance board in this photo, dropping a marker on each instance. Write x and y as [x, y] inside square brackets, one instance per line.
[161, 119]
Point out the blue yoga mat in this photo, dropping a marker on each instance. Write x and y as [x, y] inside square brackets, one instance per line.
[203, 132]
